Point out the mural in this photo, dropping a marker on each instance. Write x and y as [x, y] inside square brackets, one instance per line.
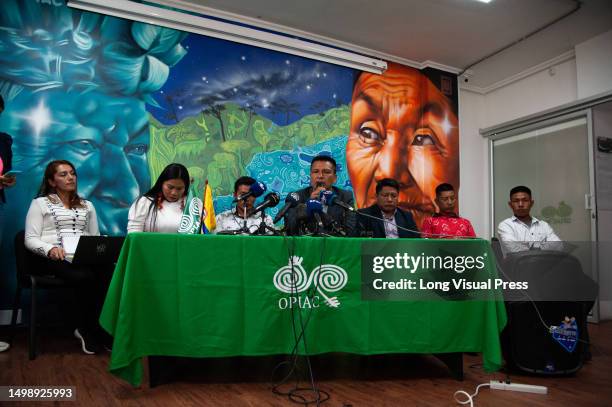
[76, 87]
[404, 126]
[123, 99]
[229, 110]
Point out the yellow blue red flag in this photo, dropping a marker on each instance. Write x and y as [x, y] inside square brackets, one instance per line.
[209, 224]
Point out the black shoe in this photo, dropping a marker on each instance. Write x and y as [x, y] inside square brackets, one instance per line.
[88, 344]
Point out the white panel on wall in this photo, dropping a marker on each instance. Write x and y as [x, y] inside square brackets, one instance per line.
[594, 65]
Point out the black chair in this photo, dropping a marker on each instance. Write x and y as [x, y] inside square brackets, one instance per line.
[34, 282]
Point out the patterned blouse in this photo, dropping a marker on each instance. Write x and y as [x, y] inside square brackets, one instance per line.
[48, 221]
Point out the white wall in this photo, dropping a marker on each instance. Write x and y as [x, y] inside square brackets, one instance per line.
[594, 65]
[473, 162]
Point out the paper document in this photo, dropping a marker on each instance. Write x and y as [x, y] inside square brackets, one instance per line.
[70, 244]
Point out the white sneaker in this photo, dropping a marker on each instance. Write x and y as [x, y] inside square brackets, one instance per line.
[4, 346]
[87, 349]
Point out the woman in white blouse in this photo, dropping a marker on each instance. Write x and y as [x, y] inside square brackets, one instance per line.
[59, 212]
[161, 208]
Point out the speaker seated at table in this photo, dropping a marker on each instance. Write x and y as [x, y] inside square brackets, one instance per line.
[547, 323]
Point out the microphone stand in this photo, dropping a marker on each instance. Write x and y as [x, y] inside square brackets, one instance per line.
[318, 227]
[336, 228]
[263, 227]
[243, 230]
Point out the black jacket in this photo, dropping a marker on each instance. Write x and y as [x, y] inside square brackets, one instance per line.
[7, 157]
[367, 226]
[337, 221]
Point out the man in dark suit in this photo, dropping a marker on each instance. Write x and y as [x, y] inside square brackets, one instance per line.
[336, 220]
[384, 219]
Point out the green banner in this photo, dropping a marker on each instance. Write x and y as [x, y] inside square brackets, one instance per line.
[211, 296]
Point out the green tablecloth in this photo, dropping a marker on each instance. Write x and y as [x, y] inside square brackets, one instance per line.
[210, 296]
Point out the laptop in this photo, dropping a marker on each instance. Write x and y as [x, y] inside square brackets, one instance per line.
[98, 250]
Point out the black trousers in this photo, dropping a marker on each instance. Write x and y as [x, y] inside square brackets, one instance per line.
[89, 285]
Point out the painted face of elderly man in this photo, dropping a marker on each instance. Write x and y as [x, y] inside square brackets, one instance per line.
[402, 127]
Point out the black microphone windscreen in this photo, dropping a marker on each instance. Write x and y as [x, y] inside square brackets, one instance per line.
[274, 199]
[292, 198]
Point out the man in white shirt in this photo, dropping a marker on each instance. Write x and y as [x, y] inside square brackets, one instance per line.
[522, 231]
[233, 221]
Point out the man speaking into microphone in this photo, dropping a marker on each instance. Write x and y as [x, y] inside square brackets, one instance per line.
[332, 215]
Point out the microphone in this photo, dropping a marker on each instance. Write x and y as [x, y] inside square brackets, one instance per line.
[329, 198]
[314, 208]
[256, 189]
[270, 201]
[383, 220]
[326, 197]
[335, 200]
[291, 200]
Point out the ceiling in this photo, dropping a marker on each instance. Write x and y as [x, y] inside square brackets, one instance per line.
[447, 34]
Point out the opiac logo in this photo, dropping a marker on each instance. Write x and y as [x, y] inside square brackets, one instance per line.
[293, 279]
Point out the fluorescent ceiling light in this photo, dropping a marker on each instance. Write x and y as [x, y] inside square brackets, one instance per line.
[484, 1]
[231, 32]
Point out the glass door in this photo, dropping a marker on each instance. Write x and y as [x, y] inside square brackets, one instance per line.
[554, 162]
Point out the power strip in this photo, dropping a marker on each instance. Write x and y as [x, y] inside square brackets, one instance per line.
[525, 388]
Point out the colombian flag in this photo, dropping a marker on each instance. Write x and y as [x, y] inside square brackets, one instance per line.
[208, 214]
